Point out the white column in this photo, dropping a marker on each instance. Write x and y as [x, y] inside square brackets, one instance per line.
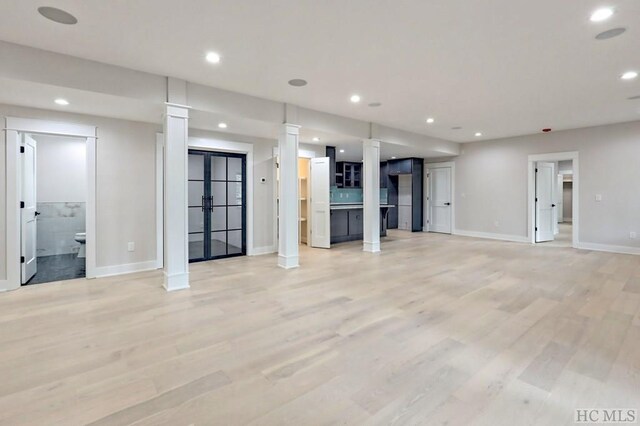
[288, 196]
[371, 195]
[176, 235]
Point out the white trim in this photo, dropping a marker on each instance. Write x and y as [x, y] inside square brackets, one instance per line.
[428, 167]
[259, 251]
[14, 127]
[609, 248]
[159, 200]
[176, 281]
[128, 268]
[288, 262]
[491, 236]
[531, 192]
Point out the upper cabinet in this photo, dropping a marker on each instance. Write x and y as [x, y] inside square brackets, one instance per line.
[400, 167]
[348, 174]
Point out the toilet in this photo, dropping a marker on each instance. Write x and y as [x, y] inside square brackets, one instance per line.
[81, 237]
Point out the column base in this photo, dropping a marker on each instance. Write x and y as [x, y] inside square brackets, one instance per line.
[288, 262]
[176, 281]
[371, 247]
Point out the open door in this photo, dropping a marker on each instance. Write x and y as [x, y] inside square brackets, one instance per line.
[320, 203]
[440, 200]
[546, 216]
[28, 211]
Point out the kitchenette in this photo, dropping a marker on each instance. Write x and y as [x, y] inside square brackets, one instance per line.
[346, 195]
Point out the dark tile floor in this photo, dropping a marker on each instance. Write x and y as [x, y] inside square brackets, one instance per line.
[57, 268]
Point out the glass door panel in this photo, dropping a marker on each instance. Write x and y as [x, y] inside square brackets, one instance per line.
[217, 205]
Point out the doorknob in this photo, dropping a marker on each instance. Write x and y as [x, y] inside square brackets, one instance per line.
[553, 205]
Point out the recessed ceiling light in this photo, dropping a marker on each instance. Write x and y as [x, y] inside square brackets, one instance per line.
[213, 57]
[57, 15]
[393, 158]
[375, 104]
[316, 139]
[222, 125]
[297, 82]
[355, 99]
[61, 101]
[547, 130]
[478, 134]
[601, 14]
[456, 128]
[342, 150]
[615, 32]
[430, 120]
[629, 75]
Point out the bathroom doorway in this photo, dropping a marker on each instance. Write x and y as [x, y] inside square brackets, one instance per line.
[53, 208]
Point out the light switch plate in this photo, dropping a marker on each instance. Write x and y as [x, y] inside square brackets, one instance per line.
[131, 246]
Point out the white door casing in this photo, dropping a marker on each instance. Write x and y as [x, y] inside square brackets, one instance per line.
[320, 203]
[546, 216]
[440, 200]
[559, 200]
[28, 213]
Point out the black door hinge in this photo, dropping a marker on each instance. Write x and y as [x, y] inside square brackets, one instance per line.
[22, 259]
[536, 228]
[536, 170]
[536, 199]
[22, 204]
[22, 150]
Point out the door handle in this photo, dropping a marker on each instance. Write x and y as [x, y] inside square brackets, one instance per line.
[203, 203]
[37, 214]
[447, 204]
[553, 205]
[211, 203]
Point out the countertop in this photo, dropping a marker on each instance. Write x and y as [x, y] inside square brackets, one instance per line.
[354, 206]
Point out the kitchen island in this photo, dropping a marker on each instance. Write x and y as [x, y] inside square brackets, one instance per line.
[347, 221]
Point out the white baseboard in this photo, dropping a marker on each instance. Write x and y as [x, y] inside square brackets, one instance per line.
[3, 285]
[258, 251]
[609, 248]
[491, 236]
[107, 271]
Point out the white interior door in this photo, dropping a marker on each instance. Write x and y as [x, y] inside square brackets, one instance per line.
[320, 203]
[546, 216]
[440, 200]
[559, 200]
[28, 213]
[405, 192]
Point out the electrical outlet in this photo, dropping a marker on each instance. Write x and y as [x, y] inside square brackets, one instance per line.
[598, 197]
[131, 246]
[632, 235]
[496, 224]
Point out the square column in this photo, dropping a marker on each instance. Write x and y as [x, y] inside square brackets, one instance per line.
[176, 231]
[288, 197]
[371, 195]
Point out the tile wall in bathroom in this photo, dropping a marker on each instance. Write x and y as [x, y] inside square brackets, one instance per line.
[58, 224]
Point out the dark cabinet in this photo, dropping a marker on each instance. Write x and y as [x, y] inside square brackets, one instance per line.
[400, 167]
[356, 227]
[348, 174]
[339, 225]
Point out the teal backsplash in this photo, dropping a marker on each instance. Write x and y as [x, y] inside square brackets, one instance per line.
[353, 195]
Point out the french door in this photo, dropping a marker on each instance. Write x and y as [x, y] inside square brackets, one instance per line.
[217, 205]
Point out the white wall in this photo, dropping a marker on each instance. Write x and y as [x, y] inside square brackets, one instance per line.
[61, 169]
[125, 185]
[567, 201]
[491, 182]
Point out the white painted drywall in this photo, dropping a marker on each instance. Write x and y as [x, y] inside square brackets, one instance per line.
[125, 185]
[61, 169]
[491, 182]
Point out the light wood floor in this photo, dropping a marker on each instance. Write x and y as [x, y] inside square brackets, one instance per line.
[434, 330]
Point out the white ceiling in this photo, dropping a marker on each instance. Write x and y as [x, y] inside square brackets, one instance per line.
[502, 67]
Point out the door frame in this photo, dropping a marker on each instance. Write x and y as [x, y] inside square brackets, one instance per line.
[531, 192]
[14, 127]
[204, 144]
[427, 184]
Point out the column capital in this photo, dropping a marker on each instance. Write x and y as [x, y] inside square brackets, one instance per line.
[176, 110]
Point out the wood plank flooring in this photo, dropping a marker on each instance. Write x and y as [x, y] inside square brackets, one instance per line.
[435, 330]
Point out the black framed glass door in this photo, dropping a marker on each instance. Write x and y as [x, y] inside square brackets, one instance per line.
[217, 205]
